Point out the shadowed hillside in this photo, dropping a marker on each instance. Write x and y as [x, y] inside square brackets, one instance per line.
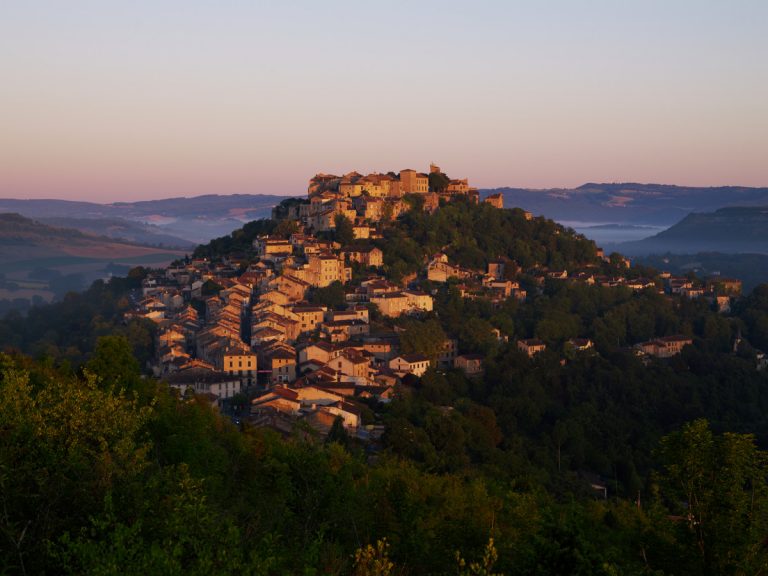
[195, 220]
[37, 260]
[728, 230]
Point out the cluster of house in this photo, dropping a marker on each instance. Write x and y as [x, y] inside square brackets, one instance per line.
[367, 200]
[533, 346]
[719, 291]
[664, 347]
[499, 281]
[496, 286]
[494, 283]
[246, 324]
[224, 328]
[389, 185]
[199, 339]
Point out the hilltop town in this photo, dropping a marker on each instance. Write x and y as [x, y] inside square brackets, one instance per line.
[357, 363]
[374, 198]
[305, 320]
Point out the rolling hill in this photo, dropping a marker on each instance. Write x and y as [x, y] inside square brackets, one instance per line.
[730, 230]
[194, 220]
[41, 260]
[648, 204]
[121, 229]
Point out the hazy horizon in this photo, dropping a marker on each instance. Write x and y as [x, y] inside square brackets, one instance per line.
[304, 192]
[106, 102]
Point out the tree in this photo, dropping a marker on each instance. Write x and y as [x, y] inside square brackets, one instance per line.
[136, 275]
[438, 182]
[718, 484]
[374, 313]
[210, 288]
[387, 212]
[162, 537]
[423, 338]
[239, 401]
[114, 364]
[66, 445]
[331, 296]
[482, 568]
[338, 433]
[344, 233]
[285, 228]
[476, 335]
[373, 560]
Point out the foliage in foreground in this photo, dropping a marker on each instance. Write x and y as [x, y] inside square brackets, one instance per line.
[108, 475]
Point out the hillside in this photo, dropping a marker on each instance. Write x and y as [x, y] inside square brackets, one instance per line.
[469, 235]
[494, 446]
[41, 260]
[654, 204]
[196, 219]
[121, 229]
[751, 269]
[727, 230]
[27, 236]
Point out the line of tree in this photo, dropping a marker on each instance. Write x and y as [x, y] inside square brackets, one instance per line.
[109, 473]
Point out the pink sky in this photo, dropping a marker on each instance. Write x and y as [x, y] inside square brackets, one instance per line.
[144, 101]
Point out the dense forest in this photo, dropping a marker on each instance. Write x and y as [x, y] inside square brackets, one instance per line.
[68, 330]
[594, 462]
[472, 235]
[105, 472]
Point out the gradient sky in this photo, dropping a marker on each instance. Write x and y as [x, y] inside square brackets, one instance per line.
[124, 100]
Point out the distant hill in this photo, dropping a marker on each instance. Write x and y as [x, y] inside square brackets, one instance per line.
[196, 220]
[16, 230]
[22, 239]
[121, 229]
[728, 230]
[654, 204]
[41, 260]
